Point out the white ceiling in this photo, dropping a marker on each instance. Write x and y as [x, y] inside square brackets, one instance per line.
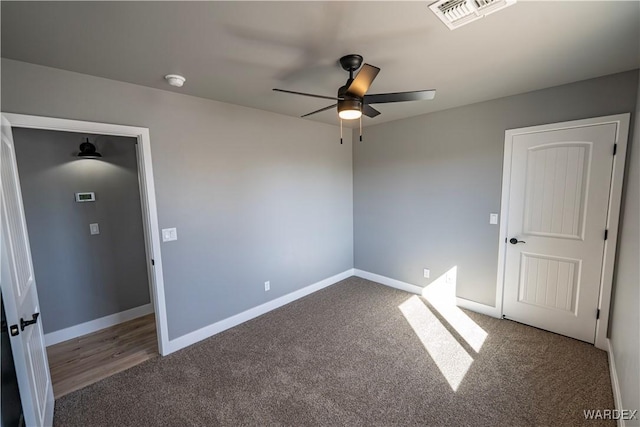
[237, 52]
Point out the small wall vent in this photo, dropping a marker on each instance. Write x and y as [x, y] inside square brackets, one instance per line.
[456, 13]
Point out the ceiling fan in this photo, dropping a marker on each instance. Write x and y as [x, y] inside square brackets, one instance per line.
[352, 99]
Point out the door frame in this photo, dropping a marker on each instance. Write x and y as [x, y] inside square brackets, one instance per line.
[147, 198]
[613, 214]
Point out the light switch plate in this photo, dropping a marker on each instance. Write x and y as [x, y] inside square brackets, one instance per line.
[493, 218]
[169, 234]
[94, 228]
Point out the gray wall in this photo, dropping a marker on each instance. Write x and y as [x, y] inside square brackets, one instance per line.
[255, 196]
[625, 318]
[82, 277]
[424, 186]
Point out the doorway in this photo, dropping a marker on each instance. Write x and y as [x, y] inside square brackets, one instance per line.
[150, 225]
[562, 186]
[84, 215]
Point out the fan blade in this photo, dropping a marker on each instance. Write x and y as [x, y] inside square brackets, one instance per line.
[333, 98]
[360, 85]
[369, 111]
[418, 95]
[321, 110]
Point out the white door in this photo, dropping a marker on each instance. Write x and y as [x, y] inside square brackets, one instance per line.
[20, 295]
[557, 216]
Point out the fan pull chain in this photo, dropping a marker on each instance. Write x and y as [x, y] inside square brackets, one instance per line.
[360, 128]
[340, 131]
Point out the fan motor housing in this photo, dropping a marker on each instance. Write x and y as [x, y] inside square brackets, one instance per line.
[342, 92]
[350, 104]
[349, 101]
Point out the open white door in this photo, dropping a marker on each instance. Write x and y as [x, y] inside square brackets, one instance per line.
[20, 294]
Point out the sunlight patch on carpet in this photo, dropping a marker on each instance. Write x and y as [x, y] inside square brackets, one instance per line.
[441, 294]
[450, 357]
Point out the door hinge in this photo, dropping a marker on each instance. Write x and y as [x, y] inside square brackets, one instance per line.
[597, 314]
[606, 234]
[153, 262]
[615, 149]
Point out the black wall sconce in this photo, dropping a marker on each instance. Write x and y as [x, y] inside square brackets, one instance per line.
[88, 150]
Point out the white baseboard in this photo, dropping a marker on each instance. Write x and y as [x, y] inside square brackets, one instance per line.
[222, 325]
[615, 384]
[478, 307]
[415, 289]
[95, 325]
[387, 281]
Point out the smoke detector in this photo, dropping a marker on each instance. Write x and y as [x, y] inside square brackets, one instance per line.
[456, 13]
[175, 80]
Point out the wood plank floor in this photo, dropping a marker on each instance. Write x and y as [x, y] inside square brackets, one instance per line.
[82, 361]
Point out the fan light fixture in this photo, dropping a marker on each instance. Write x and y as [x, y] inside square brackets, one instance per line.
[350, 114]
[88, 150]
[349, 109]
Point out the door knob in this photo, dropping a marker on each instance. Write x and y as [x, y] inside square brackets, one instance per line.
[515, 241]
[25, 323]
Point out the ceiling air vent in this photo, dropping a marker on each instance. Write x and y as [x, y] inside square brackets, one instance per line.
[456, 13]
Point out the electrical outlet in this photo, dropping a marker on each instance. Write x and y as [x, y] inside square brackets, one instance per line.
[426, 273]
[450, 278]
[267, 286]
[169, 234]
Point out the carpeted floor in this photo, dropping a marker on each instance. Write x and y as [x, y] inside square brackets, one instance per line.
[353, 355]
